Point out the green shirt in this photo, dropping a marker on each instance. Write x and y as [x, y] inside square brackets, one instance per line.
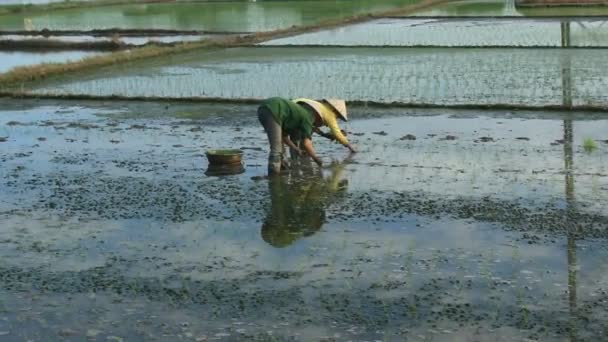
[292, 117]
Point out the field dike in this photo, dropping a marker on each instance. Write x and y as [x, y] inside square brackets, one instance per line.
[373, 104]
[45, 45]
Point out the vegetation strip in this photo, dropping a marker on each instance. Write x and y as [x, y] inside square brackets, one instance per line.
[355, 103]
[19, 76]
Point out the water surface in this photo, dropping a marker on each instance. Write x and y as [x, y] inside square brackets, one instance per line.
[455, 33]
[112, 231]
[425, 75]
[10, 60]
[134, 40]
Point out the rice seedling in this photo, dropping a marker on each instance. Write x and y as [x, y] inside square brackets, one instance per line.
[589, 145]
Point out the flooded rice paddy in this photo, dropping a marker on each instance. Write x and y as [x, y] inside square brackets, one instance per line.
[448, 226]
[458, 33]
[232, 16]
[13, 59]
[425, 75]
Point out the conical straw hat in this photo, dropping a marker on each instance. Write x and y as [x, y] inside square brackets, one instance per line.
[314, 105]
[339, 106]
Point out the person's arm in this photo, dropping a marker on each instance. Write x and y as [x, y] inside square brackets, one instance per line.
[290, 143]
[339, 135]
[311, 151]
[323, 134]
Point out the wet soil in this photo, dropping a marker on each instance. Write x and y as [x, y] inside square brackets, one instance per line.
[111, 230]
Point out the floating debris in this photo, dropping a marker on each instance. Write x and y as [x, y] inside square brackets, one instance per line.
[137, 127]
[485, 139]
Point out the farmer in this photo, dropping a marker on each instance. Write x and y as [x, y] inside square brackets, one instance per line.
[328, 111]
[281, 119]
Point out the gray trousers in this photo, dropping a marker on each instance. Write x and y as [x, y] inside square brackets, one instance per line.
[275, 139]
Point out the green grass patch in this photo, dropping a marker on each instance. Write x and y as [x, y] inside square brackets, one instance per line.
[589, 145]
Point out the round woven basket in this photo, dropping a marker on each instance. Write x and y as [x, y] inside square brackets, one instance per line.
[224, 157]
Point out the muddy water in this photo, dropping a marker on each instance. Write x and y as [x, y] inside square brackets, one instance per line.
[425, 75]
[506, 8]
[486, 226]
[454, 33]
[214, 16]
[10, 60]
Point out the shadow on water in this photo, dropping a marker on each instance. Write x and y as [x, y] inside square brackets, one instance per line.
[298, 201]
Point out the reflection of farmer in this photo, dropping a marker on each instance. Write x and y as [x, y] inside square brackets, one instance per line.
[298, 203]
[282, 118]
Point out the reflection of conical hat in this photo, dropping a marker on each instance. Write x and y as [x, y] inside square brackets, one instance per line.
[339, 106]
[316, 106]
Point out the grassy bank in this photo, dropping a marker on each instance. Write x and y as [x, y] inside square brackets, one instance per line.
[20, 77]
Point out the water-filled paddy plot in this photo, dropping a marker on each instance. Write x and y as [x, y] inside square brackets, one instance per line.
[130, 40]
[13, 59]
[430, 76]
[460, 33]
